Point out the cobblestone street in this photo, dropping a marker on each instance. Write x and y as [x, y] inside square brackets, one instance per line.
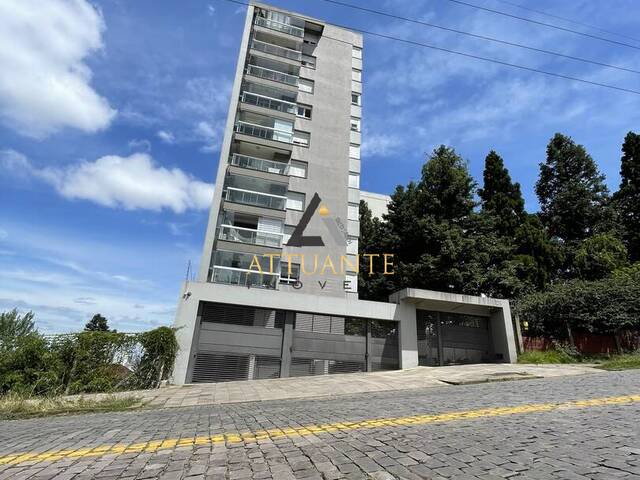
[575, 427]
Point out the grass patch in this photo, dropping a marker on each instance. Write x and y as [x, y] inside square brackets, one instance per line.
[621, 362]
[548, 356]
[13, 407]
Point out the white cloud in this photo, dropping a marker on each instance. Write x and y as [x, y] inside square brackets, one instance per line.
[44, 82]
[142, 144]
[210, 135]
[379, 145]
[133, 182]
[166, 136]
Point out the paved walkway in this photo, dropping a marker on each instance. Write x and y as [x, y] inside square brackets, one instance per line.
[347, 384]
[578, 427]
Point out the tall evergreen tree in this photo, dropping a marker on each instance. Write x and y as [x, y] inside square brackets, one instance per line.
[501, 198]
[571, 191]
[627, 198]
[98, 323]
[446, 189]
[443, 257]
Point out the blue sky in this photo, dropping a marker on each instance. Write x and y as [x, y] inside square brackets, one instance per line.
[111, 115]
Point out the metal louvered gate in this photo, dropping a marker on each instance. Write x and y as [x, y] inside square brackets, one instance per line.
[245, 343]
[237, 343]
[324, 344]
[450, 338]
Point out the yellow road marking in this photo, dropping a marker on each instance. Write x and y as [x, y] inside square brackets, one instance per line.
[307, 430]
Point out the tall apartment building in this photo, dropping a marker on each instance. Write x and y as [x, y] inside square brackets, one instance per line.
[276, 293]
[293, 132]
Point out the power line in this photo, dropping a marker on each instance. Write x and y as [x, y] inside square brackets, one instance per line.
[566, 19]
[468, 55]
[483, 37]
[550, 25]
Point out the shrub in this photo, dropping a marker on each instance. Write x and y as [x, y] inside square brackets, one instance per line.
[90, 361]
[603, 306]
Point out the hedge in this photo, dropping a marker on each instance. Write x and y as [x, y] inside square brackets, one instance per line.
[604, 306]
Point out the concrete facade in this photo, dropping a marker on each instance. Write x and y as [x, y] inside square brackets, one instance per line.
[401, 308]
[293, 133]
[377, 203]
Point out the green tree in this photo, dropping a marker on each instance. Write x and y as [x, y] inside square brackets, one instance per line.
[436, 223]
[14, 326]
[571, 191]
[627, 198]
[539, 256]
[98, 323]
[446, 189]
[501, 198]
[373, 239]
[600, 255]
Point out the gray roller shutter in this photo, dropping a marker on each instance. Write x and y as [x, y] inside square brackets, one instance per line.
[237, 343]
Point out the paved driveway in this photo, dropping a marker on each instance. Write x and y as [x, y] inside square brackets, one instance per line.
[574, 427]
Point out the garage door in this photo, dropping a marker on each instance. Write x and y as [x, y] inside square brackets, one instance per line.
[449, 338]
[324, 344]
[237, 343]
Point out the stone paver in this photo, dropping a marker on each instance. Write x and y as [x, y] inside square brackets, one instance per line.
[590, 443]
[346, 384]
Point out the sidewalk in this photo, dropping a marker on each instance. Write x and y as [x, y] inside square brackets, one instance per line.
[346, 384]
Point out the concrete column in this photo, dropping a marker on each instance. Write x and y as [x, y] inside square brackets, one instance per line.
[252, 367]
[406, 316]
[367, 355]
[287, 344]
[502, 334]
[186, 324]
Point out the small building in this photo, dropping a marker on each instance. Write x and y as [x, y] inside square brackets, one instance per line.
[277, 290]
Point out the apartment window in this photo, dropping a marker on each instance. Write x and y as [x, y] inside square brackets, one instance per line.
[289, 278]
[305, 85]
[301, 138]
[356, 75]
[351, 283]
[304, 111]
[298, 169]
[308, 61]
[355, 98]
[356, 52]
[295, 201]
[354, 151]
[353, 212]
[355, 124]
[352, 245]
[354, 180]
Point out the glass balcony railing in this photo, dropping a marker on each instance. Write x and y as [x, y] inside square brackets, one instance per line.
[245, 278]
[231, 233]
[274, 75]
[256, 199]
[261, 131]
[260, 164]
[276, 50]
[268, 102]
[280, 27]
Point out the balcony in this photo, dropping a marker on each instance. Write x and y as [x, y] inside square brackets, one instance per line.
[279, 26]
[256, 199]
[259, 164]
[242, 277]
[268, 102]
[273, 75]
[231, 233]
[263, 131]
[276, 50]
